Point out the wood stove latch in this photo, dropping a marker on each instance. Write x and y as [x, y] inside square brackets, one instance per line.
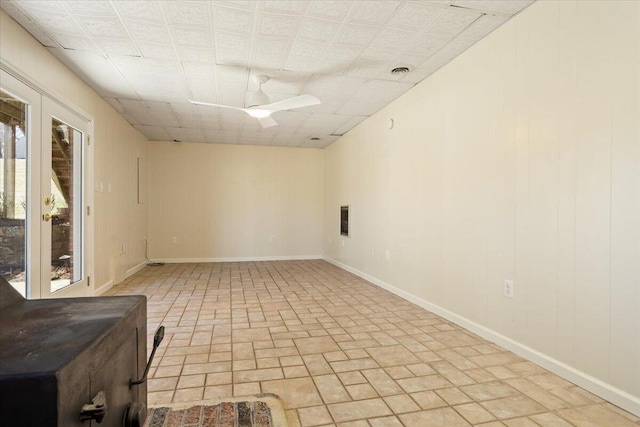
[96, 410]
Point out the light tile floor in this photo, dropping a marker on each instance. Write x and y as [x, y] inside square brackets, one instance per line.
[340, 351]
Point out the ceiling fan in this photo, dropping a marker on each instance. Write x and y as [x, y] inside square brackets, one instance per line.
[259, 106]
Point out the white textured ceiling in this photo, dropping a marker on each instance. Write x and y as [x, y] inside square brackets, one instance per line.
[147, 58]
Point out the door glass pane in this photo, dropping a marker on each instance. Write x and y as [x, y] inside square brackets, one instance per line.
[66, 205]
[13, 191]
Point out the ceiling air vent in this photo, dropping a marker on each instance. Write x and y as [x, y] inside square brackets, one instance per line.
[400, 70]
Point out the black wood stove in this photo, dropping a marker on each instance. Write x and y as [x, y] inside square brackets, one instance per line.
[73, 361]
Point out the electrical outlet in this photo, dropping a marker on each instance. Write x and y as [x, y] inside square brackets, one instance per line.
[373, 251]
[343, 243]
[508, 288]
[272, 237]
[174, 239]
[387, 255]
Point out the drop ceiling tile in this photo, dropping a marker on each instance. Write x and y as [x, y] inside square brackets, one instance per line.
[117, 47]
[154, 133]
[357, 35]
[337, 60]
[186, 134]
[242, 4]
[97, 72]
[212, 135]
[329, 9]
[328, 105]
[204, 92]
[191, 37]
[232, 77]
[269, 53]
[231, 49]
[140, 10]
[157, 51]
[307, 51]
[323, 124]
[415, 16]
[102, 27]
[133, 105]
[73, 42]
[52, 22]
[508, 7]
[373, 12]
[129, 65]
[164, 87]
[231, 97]
[384, 88]
[428, 44]
[196, 54]
[93, 8]
[277, 25]
[183, 13]
[453, 21]
[29, 24]
[303, 65]
[483, 26]
[352, 122]
[145, 31]
[338, 86]
[164, 66]
[317, 29]
[416, 75]
[199, 71]
[370, 63]
[438, 2]
[393, 40]
[115, 104]
[233, 20]
[51, 5]
[182, 108]
[286, 6]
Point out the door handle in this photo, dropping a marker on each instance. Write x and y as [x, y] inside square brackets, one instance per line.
[46, 217]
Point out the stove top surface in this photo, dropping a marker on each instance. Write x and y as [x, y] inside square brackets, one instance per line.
[51, 333]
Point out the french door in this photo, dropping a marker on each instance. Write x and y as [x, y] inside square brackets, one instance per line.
[43, 200]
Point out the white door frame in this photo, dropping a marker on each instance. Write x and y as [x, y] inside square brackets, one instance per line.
[40, 100]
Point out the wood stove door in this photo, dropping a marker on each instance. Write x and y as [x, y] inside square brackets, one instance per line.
[113, 378]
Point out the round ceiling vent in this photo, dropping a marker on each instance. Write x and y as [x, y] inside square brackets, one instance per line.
[400, 70]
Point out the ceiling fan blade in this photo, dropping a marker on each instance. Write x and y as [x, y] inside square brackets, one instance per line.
[267, 122]
[209, 104]
[291, 103]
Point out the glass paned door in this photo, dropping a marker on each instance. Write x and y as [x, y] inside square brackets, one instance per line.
[20, 125]
[63, 212]
[13, 191]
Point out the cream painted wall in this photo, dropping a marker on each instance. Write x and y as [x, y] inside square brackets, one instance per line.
[519, 160]
[225, 202]
[118, 218]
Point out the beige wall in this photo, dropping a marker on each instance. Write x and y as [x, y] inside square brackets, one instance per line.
[519, 160]
[118, 219]
[232, 202]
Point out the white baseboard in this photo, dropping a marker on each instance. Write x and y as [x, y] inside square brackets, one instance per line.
[598, 387]
[134, 270]
[238, 259]
[102, 289]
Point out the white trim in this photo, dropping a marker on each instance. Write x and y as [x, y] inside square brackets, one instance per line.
[598, 387]
[238, 259]
[104, 288]
[133, 270]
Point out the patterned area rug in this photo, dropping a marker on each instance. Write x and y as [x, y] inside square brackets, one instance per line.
[263, 410]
